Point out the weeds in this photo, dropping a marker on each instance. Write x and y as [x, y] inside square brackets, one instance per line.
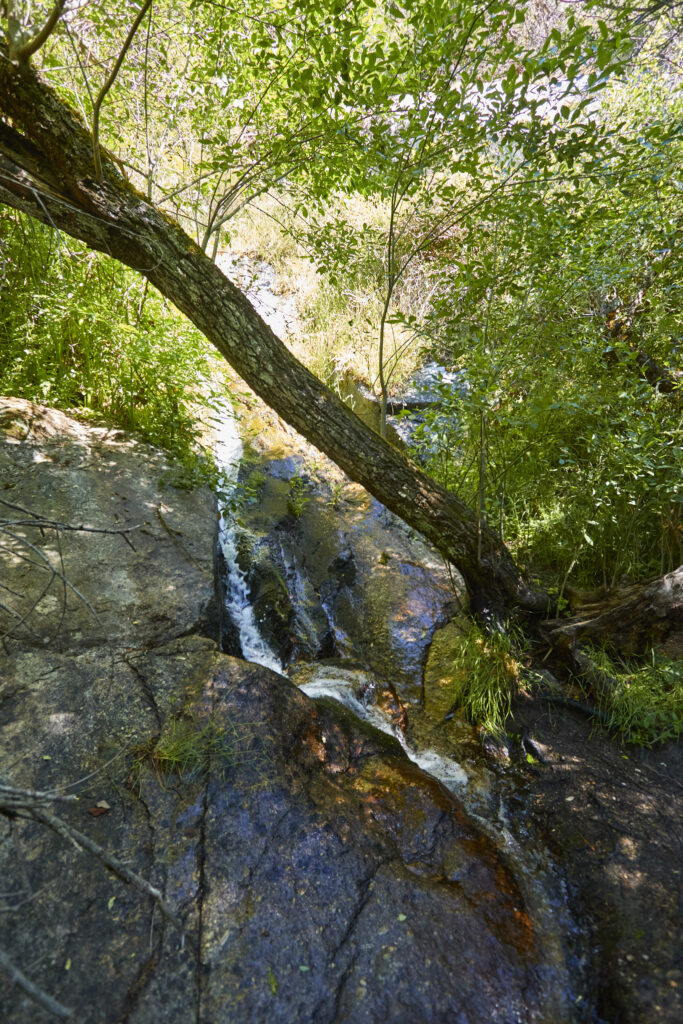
[298, 497]
[82, 333]
[188, 749]
[487, 669]
[646, 704]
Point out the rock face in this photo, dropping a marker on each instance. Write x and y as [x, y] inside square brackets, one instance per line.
[146, 585]
[319, 875]
[612, 817]
[334, 575]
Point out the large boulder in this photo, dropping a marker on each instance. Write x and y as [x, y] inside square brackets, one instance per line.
[71, 588]
[318, 874]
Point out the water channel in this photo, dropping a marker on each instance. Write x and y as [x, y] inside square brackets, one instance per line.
[355, 678]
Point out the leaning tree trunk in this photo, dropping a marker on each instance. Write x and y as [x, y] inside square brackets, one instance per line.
[47, 171]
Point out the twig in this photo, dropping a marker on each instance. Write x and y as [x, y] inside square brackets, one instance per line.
[37, 521]
[31, 990]
[115, 865]
[13, 798]
[107, 86]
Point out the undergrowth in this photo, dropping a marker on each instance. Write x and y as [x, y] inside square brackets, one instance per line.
[646, 704]
[82, 333]
[644, 707]
[486, 669]
[339, 312]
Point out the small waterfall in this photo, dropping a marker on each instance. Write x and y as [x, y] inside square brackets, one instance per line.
[228, 453]
[354, 689]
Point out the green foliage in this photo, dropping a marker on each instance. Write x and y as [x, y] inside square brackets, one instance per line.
[82, 333]
[487, 669]
[646, 704]
[299, 497]
[549, 309]
[500, 187]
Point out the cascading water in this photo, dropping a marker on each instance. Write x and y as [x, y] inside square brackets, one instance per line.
[355, 688]
[228, 453]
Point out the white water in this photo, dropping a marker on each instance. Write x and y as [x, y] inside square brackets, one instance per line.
[354, 689]
[228, 452]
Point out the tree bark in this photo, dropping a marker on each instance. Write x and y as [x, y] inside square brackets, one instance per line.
[47, 171]
[639, 616]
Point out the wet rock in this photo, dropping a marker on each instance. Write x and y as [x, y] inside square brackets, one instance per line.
[326, 898]
[361, 584]
[318, 874]
[273, 608]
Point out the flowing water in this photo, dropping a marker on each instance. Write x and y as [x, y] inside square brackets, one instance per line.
[355, 688]
[228, 451]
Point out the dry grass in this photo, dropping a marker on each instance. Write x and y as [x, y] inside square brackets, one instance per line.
[339, 313]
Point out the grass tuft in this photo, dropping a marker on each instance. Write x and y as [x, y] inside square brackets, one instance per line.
[646, 704]
[487, 670]
[188, 749]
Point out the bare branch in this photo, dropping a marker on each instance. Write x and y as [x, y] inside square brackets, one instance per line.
[22, 51]
[111, 78]
[15, 799]
[21, 548]
[32, 991]
[115, 865]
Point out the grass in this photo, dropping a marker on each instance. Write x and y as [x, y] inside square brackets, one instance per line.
[487, 670]
[188, 749]
[82, 333]
[646, 704]
[644, 707]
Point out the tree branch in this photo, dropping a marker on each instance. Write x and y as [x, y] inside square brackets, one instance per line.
[17, 977]
[107, 86]
[21, 51]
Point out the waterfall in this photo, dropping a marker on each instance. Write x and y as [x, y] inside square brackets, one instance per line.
[228, 451]
[354, 689]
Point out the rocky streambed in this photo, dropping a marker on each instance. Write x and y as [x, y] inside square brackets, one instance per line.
[317, 872]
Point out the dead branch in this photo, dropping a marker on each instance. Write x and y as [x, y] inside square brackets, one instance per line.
[13, 799]
[632, 618]
[43, 523]
[32, 991]
[22, 548]
[31, 803]
[79, 839]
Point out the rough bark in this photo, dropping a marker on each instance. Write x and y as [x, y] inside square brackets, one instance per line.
[639, 616]
[47, 171]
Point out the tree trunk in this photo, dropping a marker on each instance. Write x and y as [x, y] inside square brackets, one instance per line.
[47, 171]
[638, 616]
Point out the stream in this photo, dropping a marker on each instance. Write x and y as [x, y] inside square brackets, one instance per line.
[359, 600]
[270, 543]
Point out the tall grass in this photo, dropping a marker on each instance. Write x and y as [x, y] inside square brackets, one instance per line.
[83, 333]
